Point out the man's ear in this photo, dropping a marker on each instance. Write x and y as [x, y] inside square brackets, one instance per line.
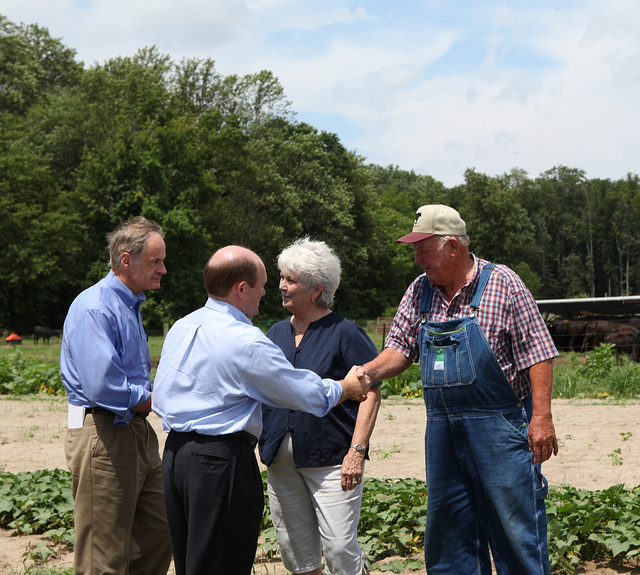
[453, 245]
[239, 288]
[125, 259]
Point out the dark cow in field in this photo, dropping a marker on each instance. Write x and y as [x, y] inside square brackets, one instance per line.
[582, 335]
[626, 340]
[45, 333]
[568, 334]
[621, 333]
[596, 331]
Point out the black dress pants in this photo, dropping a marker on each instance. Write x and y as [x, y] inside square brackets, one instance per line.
[214, 501]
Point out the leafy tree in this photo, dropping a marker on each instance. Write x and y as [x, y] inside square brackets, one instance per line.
[220, 159]
[499, 227]
[570, 226]
[622, 227]
[37, 233]
[32, 66]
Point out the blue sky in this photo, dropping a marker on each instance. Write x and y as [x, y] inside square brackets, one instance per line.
[434, 86]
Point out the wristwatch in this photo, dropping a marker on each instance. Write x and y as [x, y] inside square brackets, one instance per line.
[359, 447]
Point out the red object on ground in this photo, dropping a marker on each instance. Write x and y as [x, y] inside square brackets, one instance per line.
[14, 339]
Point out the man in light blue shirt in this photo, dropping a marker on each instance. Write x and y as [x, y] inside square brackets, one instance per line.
[111, 449]
[215, 372]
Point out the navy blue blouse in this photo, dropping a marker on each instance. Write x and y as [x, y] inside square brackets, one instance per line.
[329, 347]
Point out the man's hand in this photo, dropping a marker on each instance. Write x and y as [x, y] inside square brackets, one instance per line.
[361, 372]
[355, 387]
[144, 406]
[542, 438]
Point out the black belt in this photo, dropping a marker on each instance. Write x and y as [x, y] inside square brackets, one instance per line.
[107, 412]
[245, 436]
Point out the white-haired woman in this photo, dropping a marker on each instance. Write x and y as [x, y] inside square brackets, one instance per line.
[316, 465]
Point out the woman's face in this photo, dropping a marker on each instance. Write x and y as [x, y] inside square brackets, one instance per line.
[295, 298]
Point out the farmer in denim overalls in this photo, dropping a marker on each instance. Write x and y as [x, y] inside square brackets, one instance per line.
[485, 357]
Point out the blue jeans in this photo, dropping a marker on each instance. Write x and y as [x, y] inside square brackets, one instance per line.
[484, 490]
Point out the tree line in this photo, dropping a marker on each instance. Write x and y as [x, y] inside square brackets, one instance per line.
[221, 159]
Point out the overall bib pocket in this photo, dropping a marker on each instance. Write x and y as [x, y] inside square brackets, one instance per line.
[446, 359]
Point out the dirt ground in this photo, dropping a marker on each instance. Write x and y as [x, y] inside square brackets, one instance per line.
[599, 447]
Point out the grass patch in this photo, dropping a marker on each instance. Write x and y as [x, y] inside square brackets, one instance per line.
[600, 374]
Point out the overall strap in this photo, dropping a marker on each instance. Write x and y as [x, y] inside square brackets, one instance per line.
[425, 299]
[427, 291]
[482, 283]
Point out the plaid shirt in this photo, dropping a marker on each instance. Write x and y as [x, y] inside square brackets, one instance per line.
[508, 317]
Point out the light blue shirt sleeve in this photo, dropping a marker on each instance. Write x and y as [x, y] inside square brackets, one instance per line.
[271, 379]
[217, 369]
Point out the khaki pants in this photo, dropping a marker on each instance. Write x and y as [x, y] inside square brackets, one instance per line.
[120, 520]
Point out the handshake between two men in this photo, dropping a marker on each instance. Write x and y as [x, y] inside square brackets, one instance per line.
[355, 385]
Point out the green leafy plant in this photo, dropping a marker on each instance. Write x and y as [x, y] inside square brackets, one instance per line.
[604, 375]
[38, 502]
[584, 525]
[616, 456]
[407, 384]
[21, 374]
[393, 517]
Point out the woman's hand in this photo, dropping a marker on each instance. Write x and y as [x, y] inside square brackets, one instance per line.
[352, 469]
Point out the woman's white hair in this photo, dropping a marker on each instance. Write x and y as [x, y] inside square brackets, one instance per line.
[313, 263]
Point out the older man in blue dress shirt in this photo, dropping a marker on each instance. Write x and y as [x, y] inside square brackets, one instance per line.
[111, 449]
[215, 372]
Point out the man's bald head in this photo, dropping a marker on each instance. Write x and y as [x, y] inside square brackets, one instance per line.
[229, 266]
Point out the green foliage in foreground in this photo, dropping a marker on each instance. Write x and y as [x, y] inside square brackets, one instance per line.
[583, 525]
[21, 375]
[392, 520]
[39, 502]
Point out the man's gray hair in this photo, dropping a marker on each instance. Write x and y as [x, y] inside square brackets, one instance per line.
[313, 263]
[130, 237]
[463, 240]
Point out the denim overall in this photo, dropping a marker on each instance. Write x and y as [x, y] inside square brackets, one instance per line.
[484, 489]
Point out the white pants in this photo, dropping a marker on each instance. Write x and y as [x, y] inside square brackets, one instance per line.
[312, 514]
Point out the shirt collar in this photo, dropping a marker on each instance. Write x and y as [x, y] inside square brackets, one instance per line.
[124, 293]
[226, 308]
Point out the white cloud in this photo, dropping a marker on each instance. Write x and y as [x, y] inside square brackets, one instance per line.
[360, 80]
[295, 17]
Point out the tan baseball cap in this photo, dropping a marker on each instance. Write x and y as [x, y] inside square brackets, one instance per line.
[435, 220]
